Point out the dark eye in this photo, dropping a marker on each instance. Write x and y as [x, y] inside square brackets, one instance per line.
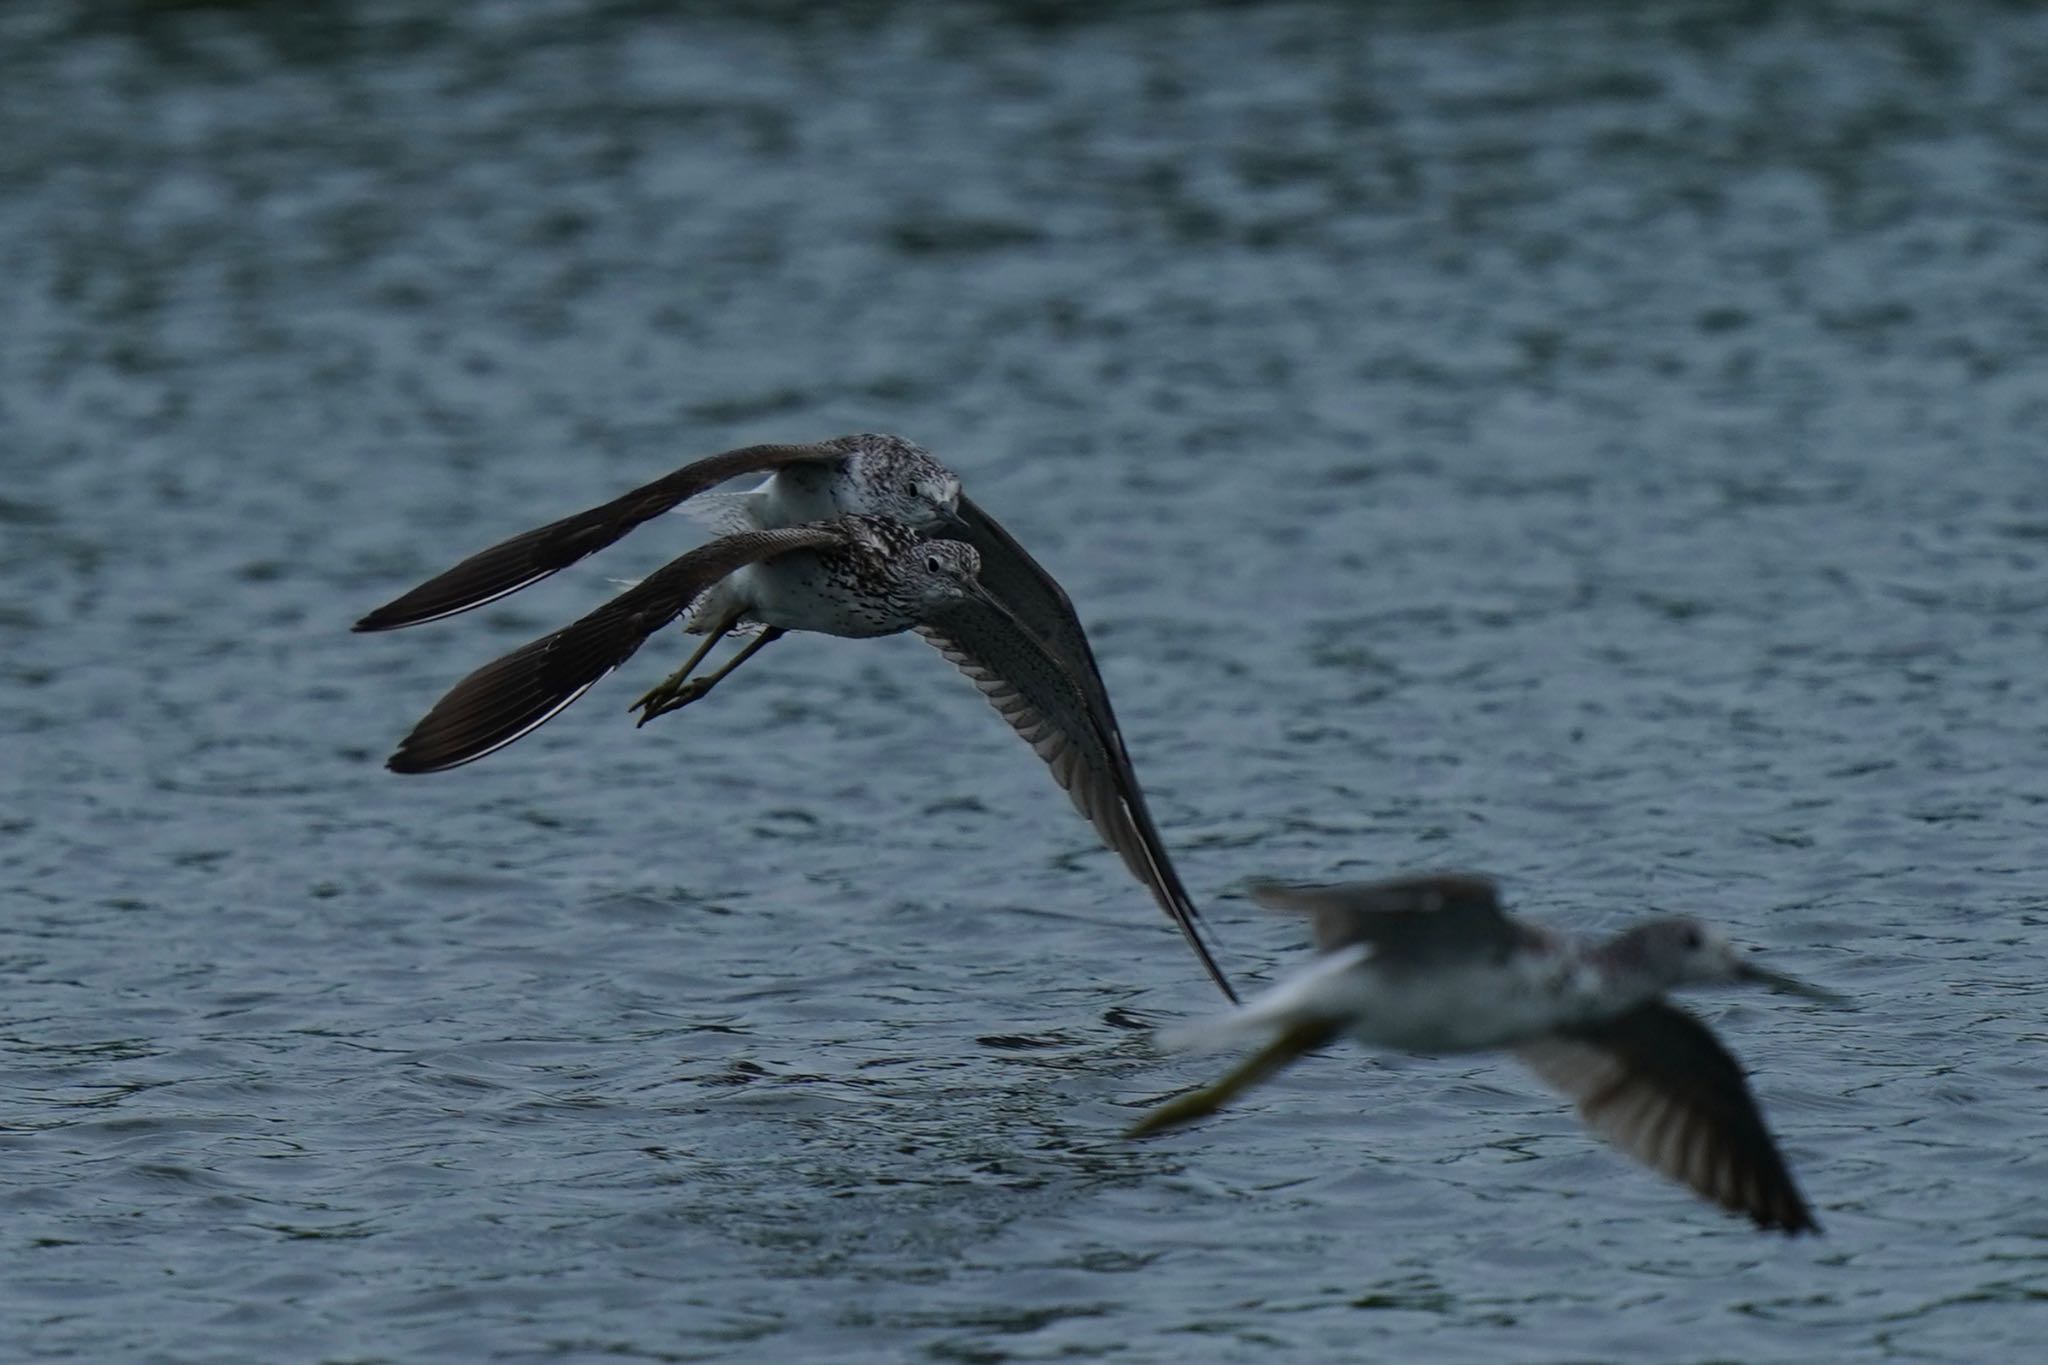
[931, 562]
[1692, 940]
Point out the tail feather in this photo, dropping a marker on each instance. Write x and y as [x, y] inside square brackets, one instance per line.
[1217, 1033]
[1319, 995]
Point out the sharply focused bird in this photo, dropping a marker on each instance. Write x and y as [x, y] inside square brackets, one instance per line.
[870, 475]
[893, 491]
[854, 576]
[1433, 965]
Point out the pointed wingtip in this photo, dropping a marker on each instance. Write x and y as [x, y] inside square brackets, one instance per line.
[1795, 1221]
[1215, 972]
[387, 617]
[1803, 1226]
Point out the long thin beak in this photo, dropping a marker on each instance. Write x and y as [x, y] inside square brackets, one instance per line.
[950, 525]
[988, 599]
[1789, 985]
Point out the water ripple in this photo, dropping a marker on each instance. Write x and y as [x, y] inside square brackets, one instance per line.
[1592, 444]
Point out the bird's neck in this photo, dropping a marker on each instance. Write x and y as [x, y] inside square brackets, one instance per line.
[1618, 974]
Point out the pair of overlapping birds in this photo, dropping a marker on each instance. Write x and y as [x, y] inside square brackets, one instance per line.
[870, 535]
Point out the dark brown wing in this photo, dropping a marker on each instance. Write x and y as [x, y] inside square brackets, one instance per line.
[1659, 1085]
[1418, 919]
[1034, 597]
[526, 559]
[1040, 699]
[1037, 601]
[514, 695]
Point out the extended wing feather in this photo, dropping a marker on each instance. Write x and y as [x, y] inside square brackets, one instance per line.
[527, 558]
[1660, 1086]
[1032, 690]
[513, 696]
[1415, 918]
[1036, 600]
[1034, 597]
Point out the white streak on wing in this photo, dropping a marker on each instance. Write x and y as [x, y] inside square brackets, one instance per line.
[507, 591]
[1327, 991]
[542, 719]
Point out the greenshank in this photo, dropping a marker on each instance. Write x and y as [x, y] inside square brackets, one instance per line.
[854, 576]
[1433, 965]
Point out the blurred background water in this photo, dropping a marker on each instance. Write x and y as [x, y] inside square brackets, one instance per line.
[1595, 443]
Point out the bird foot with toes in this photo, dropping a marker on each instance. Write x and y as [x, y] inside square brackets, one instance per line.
[672, 694]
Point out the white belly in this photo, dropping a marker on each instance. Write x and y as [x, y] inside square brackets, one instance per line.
[1461, 1010]
[1431, 1009]
[794, 592]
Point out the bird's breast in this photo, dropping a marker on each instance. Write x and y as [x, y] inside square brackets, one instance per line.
[826, 594]
[1463, 1009]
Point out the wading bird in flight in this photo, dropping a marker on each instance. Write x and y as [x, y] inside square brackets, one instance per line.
[1433, 965]
[873, 476]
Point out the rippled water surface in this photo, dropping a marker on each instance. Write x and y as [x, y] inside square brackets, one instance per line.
[1599, 444]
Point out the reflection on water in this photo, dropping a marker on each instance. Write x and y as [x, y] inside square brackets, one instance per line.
[1591, 443]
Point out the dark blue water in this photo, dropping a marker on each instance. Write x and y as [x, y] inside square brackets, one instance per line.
[1597, 444]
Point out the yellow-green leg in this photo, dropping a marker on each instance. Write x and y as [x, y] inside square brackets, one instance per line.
[673, 683]
[1275, 1056]
[679, 689]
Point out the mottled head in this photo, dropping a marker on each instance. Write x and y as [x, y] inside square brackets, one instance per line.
[912, 573]
[933, 573]
[887, 476]
[1681, 951]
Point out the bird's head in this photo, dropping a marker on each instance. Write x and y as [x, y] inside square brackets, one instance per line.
[1682, 951]
[901, 480]
[935, 573]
